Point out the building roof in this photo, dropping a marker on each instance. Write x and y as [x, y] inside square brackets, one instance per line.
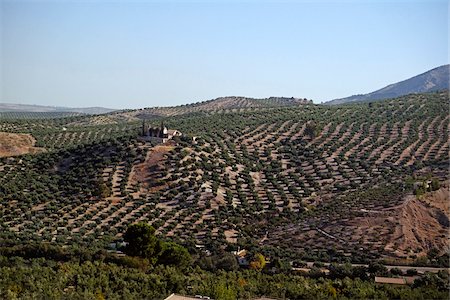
[241, 253]
[181, 297]
[390, 280]
[410, 279]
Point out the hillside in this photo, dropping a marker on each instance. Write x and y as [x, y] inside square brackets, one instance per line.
[12, 144]
[222, 105]
[10, 107]
[300, 179]
[219, 105]
[434, 80]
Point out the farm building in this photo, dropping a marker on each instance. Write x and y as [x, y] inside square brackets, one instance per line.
[157, 134]
[389, 280]
[196, 297]
[181, 297]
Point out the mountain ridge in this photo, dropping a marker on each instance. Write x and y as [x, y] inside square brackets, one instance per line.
[432, 80]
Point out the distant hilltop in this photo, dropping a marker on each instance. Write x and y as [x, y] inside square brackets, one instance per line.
[239, 101]
[11, 107]
[228, 103]
[433, 80]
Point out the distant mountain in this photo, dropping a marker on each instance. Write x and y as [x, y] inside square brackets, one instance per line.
[10, 107]
[433, 80]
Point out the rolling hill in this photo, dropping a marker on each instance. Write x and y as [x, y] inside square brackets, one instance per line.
[12, 107]
[434, 80]
[280, 178]
[221, 105]
[304, 178]
[218, 105]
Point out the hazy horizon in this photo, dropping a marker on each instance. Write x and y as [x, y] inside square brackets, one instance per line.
[150, 53]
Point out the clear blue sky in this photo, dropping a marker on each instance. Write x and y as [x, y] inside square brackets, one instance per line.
[130, 54]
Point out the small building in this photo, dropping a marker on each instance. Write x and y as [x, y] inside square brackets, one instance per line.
[157, 134]
[240, 253]
[196, 297]
[410, 279]
[241, 257]
[243, 262]
[181, 297]
[390, 280]
[117, 245]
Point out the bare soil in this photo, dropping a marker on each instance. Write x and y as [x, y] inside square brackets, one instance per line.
[12, 144]
[154, 161]
[419, 228]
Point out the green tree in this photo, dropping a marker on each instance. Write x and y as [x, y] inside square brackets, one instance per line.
[435, 184]
[258, 263]
[175, 255]
[224, 292]
[311, 130]
[227, 262]
[103, 190]
[141, 241]
[377, 269]
[340, 271]
[433, 253]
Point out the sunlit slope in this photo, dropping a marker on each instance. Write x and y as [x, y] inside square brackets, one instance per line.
[306, 175]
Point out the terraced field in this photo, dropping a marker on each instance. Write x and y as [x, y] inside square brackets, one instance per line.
[274, 173]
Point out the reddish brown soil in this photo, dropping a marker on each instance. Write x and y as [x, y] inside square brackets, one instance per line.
[154, 161]
[403, 231]
[12, 144]
[439, 199]
[419, 228]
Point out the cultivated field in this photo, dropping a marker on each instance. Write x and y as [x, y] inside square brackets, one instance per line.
[282, 173]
